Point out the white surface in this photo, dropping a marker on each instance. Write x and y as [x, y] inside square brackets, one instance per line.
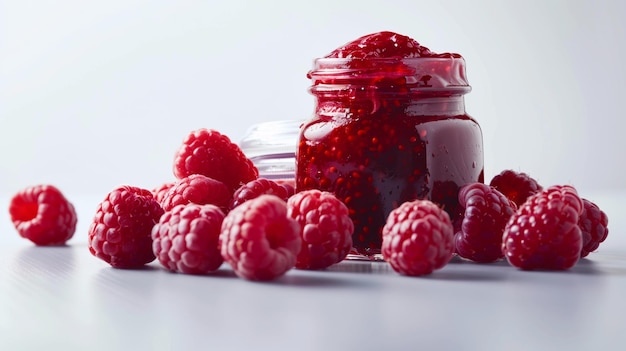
[62, 298]
[98, 94]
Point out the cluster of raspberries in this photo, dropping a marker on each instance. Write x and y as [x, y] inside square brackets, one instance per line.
[532, 227]
[219, 210]
[512, 217]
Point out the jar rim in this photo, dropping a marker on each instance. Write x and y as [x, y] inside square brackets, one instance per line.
[347, 60]
[275, 138]
[422, 73]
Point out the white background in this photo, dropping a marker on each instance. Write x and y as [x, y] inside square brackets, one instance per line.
[95, 94]
[98, 94]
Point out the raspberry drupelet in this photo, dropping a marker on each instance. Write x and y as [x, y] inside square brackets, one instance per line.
[43, 215]
[120, 233]
[418, 238]
[259, 240]
[326, 228]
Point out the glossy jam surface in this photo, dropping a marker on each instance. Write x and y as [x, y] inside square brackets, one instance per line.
[386, 131]
[384, 45]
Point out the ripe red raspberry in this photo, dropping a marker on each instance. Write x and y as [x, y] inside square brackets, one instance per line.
[43, 215]
[289, 184]
[326, 228]
[197, 189]
[485, 214]
[210, 153]
[186, 239]
[258, 187]
[593, 224]
[120, 233]
[418, 238]
[544, 232]
[382, 44]
[160, 191]
[516, 186]
[259, 240]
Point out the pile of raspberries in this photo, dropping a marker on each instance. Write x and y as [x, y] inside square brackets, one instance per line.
[219, 210]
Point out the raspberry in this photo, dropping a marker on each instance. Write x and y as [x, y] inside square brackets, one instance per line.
[593, 224]
[207, 152]
[326, 228]
[120, 233]
[259, 240]
[544, 232]
[197, 189]
[486, 212]
[43, 215]
[289, 184]
[160, 191]
[258, 187]
[418, 238]
[516, 186]
[186, 239]
[382, 44]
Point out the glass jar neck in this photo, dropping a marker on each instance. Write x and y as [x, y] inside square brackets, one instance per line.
[363, 105]
[436, 106]
[414, 86]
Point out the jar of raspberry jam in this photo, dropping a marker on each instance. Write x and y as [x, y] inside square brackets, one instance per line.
[386, 131]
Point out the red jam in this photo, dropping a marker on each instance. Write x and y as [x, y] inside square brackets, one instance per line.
[389, 127]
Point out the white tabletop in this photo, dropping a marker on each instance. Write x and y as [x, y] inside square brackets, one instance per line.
[62, 298]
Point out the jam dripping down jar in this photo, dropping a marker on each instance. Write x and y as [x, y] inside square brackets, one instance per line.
[386, 131]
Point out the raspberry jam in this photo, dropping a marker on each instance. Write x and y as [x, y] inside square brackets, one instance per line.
[386, 131]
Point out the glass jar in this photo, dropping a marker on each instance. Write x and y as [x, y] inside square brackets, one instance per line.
[271, 146]
[386, 131]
